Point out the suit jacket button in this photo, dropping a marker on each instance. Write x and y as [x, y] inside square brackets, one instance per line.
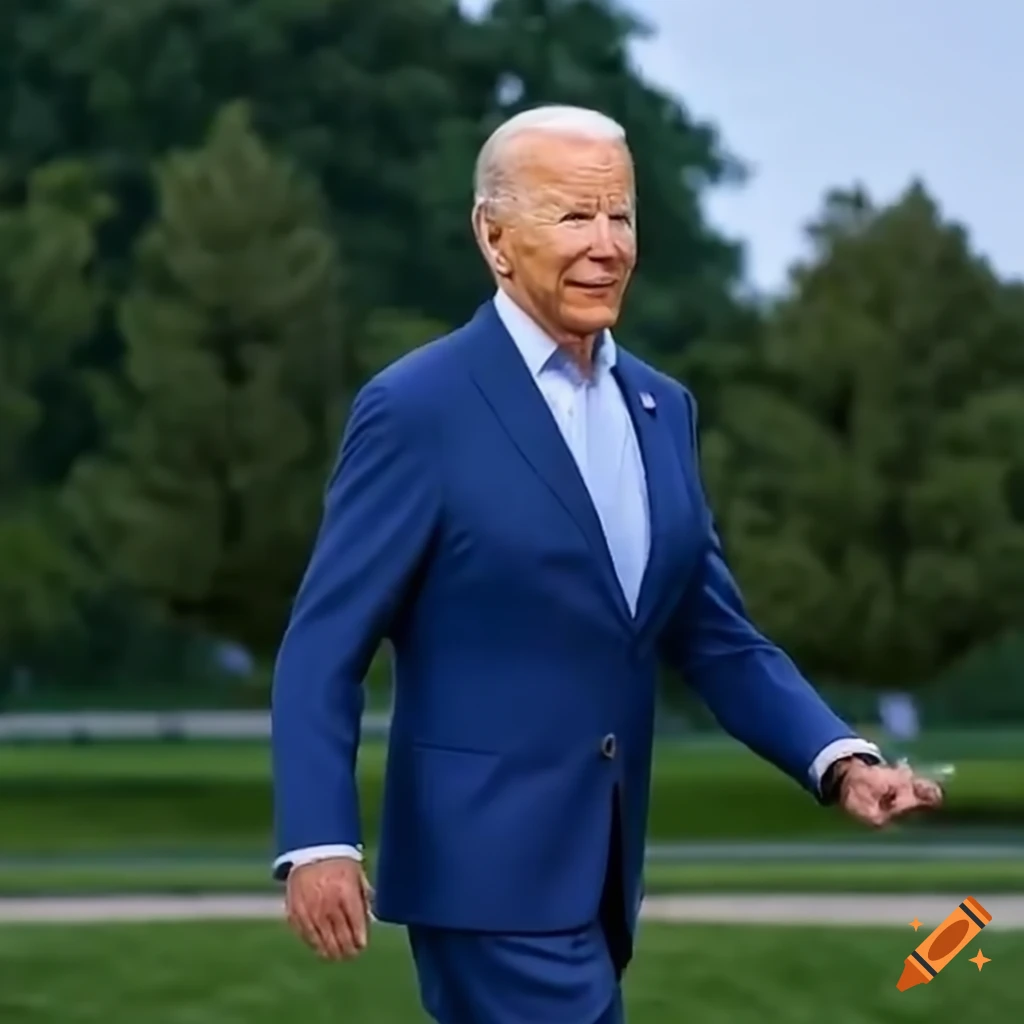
[609, 746]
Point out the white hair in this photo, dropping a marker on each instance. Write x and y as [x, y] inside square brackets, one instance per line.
[490, 180]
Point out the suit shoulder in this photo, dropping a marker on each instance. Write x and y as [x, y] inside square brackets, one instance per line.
[683, 393]
[417, 383]
[417, 370]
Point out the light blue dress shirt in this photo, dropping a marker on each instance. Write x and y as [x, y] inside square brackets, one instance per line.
[594, 420]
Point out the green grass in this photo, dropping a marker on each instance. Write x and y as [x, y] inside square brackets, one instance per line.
[150, 762]
[256, 973]
[216, 797]
[26, 879]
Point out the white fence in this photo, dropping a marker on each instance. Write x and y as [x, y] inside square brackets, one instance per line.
[89, 726]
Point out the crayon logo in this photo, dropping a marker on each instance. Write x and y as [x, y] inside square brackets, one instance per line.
[944, 944]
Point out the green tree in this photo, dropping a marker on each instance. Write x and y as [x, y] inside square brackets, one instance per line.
[386, 105]
[383, 106]
[868, 459]
[49, 300]
[207, 496]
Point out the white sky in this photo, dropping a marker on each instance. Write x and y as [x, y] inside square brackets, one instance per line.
[813, 94]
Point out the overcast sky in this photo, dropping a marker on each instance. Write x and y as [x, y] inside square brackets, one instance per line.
[817, 93]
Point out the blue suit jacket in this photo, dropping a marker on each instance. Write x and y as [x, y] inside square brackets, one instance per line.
[457, 526]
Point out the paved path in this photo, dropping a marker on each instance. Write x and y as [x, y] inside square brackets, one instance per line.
[1007, 910]
[152, 725]
[848, 909]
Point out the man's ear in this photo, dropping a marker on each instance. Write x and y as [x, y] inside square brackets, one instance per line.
[489, 233]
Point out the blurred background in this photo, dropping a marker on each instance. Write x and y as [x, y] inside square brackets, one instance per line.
[218, 218]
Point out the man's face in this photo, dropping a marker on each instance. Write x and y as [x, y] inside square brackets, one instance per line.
[565, 246]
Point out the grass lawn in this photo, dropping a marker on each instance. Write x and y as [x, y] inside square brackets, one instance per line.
[216, 797]
[26, 879]
[256, 973]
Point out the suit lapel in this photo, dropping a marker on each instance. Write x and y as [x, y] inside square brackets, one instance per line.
[658, 459]
[505, 381]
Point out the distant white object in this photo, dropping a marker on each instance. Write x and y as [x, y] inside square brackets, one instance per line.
[898, 712]
[234, 659]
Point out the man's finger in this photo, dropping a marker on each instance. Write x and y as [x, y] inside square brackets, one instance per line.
[330, 944]
[864, 804]
[356, 912]
[323, 938]
[888, 798]
[340, 925]
[873, 815]
[904, 801]
[318, 933]
[915, 795]
[298, 924]
[928, 792]
[368, 897]
[303, 927]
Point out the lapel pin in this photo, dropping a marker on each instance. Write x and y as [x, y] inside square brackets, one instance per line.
[647, 401]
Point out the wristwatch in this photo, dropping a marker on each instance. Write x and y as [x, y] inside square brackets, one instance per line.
[831, 781]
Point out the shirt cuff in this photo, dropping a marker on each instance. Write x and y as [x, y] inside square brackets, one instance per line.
[836, 751]
[310, 854]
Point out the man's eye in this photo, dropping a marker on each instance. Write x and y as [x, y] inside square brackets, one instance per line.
[575, 216]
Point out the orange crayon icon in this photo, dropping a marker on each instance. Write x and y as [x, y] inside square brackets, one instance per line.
[943, 944]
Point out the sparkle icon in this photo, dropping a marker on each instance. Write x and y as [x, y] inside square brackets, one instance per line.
[915, 924]
[980, 960]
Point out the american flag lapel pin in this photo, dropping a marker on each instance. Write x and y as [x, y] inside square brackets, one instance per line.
[647, 402]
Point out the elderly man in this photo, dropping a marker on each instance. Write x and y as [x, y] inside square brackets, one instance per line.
[518, 508]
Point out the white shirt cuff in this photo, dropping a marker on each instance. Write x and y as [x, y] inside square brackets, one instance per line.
[837, 751]
[311, 854]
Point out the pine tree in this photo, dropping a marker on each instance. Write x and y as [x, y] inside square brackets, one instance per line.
[49, 300]
[208, 495]
[868, 461]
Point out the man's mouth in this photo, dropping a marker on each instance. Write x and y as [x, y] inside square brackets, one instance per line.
[595, 286]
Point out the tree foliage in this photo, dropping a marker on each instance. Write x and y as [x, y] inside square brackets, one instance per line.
[386, 105]
[867, 459]
[220, 439]
[49, 300]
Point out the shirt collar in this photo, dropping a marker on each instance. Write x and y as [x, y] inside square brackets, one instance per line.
[538, 349]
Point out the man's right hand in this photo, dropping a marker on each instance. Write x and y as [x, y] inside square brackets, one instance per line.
[328, 905]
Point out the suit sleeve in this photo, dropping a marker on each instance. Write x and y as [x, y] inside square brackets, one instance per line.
[750, 685]
[379, 517]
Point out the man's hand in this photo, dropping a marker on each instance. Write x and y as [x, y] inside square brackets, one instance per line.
[328, 906]
[878, 794]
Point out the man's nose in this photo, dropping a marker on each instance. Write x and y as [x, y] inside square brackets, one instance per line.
[602, 244]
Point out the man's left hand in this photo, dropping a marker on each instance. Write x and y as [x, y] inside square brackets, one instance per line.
[878, 794]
